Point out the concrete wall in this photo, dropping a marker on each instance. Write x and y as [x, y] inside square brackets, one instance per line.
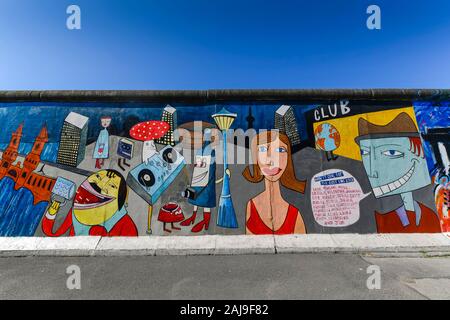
[332, 165]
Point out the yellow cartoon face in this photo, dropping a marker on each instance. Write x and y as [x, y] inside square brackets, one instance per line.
[99, 197]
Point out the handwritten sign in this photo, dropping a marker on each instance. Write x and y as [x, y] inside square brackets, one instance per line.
[335, 197]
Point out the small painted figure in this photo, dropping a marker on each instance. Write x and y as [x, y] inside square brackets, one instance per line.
[101, 151]
[327, 139]
[202, 191]
[125, 150]
[442, 197]
[170, 213]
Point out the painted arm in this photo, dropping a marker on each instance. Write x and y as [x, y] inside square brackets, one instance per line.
[247, 216]
[228, 172]
[299, 225]
[49, 220]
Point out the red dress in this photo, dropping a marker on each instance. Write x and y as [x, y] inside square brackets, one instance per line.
[391, 223]
[256, 226]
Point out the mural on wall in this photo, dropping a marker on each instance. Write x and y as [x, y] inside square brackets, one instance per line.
[393, 158]
[99, 209]
[434, 125]
[21, 185]
[101, 150]
[268, 212]
[335, 197]
[104, 169]
[327, 139]
[202, 190]
[125, 151]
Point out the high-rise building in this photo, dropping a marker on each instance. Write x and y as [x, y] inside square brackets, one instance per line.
[72, 144]
[169, 115]
[286, 123]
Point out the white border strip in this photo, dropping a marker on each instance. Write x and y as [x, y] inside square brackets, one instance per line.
[226, 245]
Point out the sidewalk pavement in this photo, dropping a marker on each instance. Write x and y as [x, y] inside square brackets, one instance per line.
[436, 244]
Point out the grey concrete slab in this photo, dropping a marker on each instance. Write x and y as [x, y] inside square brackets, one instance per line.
[412, 244]
[244, 245]
[127, 246]
[362, 243]
[68, 246]
[304, 243]
[428, 276]
[435, 289]
[186, 245]
[295, 276]
[424, 241]
[18, 246]
[413, 268]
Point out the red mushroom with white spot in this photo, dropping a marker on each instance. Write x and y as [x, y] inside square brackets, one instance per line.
[147, 132]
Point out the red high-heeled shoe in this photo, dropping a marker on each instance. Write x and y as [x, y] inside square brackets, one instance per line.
[189, 220]
[204, 223]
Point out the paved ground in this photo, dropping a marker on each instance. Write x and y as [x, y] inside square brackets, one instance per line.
[282, 276]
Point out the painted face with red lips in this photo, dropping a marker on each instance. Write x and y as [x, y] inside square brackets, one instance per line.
[89, 196]
[97, 199]
[272, 159]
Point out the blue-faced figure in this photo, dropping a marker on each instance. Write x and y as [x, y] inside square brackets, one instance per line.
[393, 158]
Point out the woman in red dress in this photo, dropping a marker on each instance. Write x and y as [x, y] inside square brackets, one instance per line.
[268, 212]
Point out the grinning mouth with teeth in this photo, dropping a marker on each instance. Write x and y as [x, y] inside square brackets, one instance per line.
[87, 197]
[387, 188]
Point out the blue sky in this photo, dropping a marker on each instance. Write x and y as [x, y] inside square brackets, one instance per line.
[206, 44]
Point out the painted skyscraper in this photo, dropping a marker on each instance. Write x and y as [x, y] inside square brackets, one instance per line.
[169, 115]
[286, 123]
[72, 145]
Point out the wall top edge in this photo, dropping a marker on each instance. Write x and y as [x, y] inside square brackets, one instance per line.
[235, 95]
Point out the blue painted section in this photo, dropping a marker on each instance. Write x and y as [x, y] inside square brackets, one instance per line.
[49, 153]
[101, 150]
[428, 116]
[53, 115]
[18, 216]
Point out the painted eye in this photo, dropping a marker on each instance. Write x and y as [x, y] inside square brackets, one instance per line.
[364, 152]
[281, 149]
[262, 149]
[393, 153]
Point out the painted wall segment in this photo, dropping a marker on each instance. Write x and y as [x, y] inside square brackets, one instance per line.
[128, 169]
